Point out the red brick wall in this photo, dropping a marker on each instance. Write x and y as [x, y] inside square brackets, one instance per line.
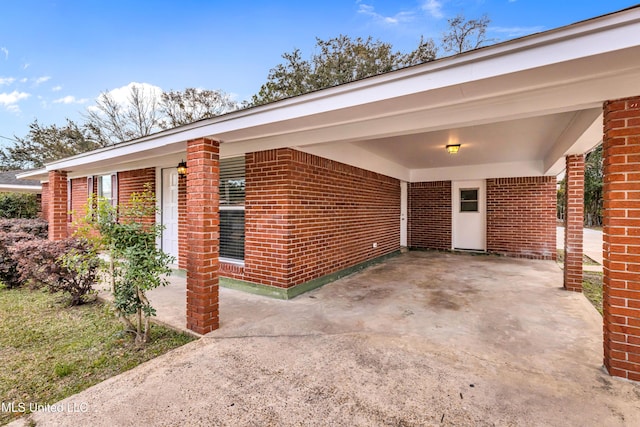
[79, 196]
[621, 235]
[429, 225]
[267, 219]
[44, 201]
[307, 217]
[521, 217]
[134, 181]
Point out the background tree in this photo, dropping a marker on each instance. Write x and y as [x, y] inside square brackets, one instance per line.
[464, 35]
[339, 60]
[593, 180]
[111, 121]
[180, 108]
[45, 144]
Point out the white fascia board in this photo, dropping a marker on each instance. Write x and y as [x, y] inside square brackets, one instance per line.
[34, 174]
[494, 170]
[8, 188]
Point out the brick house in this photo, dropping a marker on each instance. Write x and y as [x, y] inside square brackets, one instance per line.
[282, 198]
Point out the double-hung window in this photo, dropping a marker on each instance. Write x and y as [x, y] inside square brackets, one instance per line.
[232, 190]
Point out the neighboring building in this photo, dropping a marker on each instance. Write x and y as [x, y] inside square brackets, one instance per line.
[10, 184]
[281, 198]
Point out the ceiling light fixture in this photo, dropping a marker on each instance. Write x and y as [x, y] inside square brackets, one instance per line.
[453, 148]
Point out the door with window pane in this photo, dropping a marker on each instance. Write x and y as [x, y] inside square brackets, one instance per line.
[169, 211]
[468, 216]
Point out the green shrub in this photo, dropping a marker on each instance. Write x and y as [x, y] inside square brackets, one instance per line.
[18, 205]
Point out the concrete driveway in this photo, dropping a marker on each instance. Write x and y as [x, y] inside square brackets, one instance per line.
[591, 245]
[425, 338]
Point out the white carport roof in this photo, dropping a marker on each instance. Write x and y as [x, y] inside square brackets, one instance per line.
[517, 108]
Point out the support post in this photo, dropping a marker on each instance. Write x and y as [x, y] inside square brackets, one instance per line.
[573, 223]
[203, 175]
[621, 237]
[57, 215]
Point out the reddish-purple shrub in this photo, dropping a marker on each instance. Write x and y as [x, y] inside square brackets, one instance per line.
[37, 228]
[9, 274]
[69, 266]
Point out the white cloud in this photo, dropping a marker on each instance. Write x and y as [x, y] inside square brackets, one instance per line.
[41, 80]
[6, 80]
[5, 51]
[368, 10]
[56, 88]
[23, 80]
[433, 8]
[121, 95]
[10, 100]
[516, 31]
[69, 99]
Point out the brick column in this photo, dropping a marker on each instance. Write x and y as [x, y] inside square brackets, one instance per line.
[57, 209]
[573, 222]
[203, 175]
[182, 222]
[621, 156]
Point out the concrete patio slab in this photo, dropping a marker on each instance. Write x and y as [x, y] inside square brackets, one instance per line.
[425, 338]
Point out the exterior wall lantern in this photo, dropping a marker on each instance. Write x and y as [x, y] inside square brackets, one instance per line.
[182, 169]
[453, 148]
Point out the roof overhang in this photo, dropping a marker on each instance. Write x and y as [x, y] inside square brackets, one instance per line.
[517, 108]
[9, 188]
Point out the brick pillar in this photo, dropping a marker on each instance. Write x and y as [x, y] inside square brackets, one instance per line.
[203, 174]
[573, 222]
[182, 222]
[57, 215]
[621, 303]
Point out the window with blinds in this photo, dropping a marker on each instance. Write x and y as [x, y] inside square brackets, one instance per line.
[232, 186]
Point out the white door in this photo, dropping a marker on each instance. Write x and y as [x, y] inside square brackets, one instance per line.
[469, 230]
[169, 211]
[403, 213]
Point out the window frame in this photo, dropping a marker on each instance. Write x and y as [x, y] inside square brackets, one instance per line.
[463, 201]
[233, 207]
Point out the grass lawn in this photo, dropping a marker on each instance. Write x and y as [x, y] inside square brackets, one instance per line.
[49, 351]
[592, 288]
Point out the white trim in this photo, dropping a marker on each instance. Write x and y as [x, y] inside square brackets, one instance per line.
[159, 206]
[231, 261]
[475, 172]
[12, 188]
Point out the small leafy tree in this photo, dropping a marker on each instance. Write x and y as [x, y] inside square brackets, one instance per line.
[136, 265]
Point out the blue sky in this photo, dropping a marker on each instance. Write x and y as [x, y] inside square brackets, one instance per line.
[57, 56]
